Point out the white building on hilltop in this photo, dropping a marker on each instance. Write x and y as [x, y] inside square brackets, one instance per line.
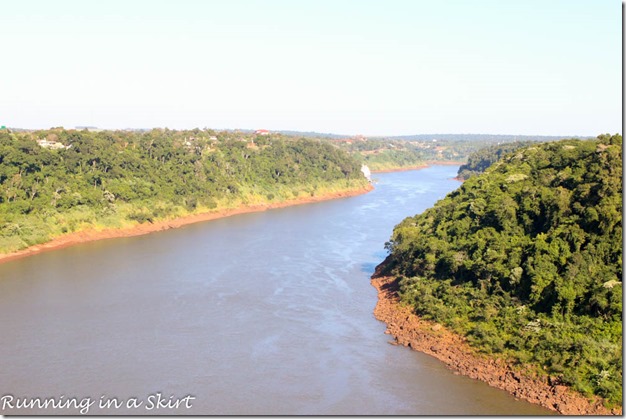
[54, 145]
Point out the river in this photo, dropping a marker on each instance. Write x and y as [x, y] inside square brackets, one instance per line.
[265, 313]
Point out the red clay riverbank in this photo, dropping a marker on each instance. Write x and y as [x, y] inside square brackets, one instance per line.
[433, 339]
[145, 228]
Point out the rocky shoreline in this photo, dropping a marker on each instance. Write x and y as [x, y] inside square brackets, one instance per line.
[84, 236]
[431, 338]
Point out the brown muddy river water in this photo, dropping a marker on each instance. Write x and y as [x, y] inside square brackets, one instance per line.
[264, 313]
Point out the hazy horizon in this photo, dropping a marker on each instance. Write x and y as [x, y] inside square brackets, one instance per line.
[369, 67]
[81, 127]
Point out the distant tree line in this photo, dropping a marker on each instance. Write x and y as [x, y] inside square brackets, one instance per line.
[393, 153]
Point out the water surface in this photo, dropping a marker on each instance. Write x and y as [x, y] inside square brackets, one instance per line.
[261, 313]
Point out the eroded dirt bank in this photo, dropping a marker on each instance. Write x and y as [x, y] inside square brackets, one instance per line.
[431, 338]
[145, 228]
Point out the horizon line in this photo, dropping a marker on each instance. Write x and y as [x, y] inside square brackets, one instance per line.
[93, 127]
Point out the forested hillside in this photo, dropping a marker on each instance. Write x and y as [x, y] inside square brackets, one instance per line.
[58, 181]
[526, 261]
[480, 160]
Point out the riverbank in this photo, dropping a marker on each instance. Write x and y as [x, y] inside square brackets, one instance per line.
[420, 166]
[88, 235]
[431, 338]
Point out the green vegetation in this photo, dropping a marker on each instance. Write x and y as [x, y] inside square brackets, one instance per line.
[108, 179]
[381, 154]
[480, 160]
[525, 260]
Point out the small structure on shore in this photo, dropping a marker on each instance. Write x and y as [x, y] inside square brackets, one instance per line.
[366, 172]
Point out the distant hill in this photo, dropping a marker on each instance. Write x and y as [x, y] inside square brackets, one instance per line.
[312, 134]
[484, 137]
[492, 138]
[412, 137]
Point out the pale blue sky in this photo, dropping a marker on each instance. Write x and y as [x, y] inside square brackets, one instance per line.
[379, 67]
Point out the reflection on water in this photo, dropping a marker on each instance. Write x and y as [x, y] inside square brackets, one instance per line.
[263, 313]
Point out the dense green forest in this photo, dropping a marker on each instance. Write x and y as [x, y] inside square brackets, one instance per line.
[525, 260]
[58, 181]
[479, 161]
